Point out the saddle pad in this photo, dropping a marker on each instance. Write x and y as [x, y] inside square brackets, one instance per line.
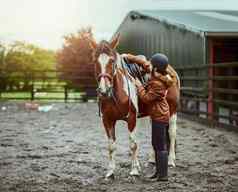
[134, 70]
[131, 91]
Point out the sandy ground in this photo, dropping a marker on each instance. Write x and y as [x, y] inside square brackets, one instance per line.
[66, 150]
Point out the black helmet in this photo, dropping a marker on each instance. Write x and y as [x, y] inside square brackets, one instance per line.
[159, 61]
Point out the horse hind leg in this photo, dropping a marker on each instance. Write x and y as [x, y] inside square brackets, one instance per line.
[135, 165]
[151, 158]
[172, 139]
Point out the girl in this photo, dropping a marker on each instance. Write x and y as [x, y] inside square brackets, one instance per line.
[154, 96]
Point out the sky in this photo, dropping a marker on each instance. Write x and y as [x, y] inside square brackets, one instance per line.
[45, 22]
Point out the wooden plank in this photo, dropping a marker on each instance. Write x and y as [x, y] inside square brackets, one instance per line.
[225, 91]
[193, 78]
[225, 78]
[204, 66]
[224, 65]
[196, 89]
[191, 68]
[231, 104]
[194, 98]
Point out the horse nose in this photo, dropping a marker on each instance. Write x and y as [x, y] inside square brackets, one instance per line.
[101, 91]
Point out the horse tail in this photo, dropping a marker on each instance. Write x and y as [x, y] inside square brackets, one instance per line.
[178, 87]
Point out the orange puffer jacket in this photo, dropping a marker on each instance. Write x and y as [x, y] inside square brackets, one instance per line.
[154, 96]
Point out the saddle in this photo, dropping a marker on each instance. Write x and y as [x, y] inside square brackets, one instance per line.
[135, 71]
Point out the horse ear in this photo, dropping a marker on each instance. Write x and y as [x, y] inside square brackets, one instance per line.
[115, 41]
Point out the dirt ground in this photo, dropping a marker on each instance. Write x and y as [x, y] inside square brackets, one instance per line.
[66, 150]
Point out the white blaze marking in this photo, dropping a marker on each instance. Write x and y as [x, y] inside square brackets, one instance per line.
[103, 60]
[102, 85]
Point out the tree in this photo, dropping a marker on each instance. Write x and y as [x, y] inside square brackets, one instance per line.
[2, 67]
[20, 61]
[75, 58]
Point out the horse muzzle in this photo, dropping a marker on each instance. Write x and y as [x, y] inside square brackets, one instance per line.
[104, 92]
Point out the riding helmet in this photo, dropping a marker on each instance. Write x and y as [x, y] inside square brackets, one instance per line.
[159, 61]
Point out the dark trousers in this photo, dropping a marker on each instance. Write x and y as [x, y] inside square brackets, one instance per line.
[159, 135]
[159, 142]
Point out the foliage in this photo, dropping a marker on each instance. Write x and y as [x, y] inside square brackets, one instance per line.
[19, 61]
[75, 58]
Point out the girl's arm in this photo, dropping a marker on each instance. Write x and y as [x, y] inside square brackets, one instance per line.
[141, 62]
[154, 92]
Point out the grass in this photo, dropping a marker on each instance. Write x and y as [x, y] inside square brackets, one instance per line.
[51, 90]
[40, 95]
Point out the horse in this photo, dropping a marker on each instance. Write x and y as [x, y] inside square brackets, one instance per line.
[117, 96]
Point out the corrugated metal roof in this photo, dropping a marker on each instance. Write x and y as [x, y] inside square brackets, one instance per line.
[196, 20]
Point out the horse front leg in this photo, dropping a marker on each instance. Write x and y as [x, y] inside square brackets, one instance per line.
[135, 165]
[110, 130]
[172, 136]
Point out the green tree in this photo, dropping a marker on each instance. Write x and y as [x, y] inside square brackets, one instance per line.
[3, 81]
[22, 60]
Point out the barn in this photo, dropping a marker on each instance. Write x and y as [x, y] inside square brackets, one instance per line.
[202, 45]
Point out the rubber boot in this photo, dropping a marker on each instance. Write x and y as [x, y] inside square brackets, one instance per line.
[155, 175]
[162, 165]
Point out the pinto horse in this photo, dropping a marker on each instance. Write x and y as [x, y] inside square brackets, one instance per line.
[118, 100]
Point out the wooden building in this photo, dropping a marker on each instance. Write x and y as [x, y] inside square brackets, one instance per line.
[202, 46]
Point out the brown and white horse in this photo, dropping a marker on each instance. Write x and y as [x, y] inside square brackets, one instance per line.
[118, 101]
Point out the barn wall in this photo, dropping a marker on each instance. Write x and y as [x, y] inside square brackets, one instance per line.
[148, 36]
[190, 54]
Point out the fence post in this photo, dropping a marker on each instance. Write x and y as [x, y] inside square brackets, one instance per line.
[65, 93]
[32, 92]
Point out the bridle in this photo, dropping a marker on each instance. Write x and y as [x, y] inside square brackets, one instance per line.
[108, 76]
[111, 91]
[104, 75]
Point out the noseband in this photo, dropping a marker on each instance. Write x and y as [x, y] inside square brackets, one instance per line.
[104, 75]
[110, 78]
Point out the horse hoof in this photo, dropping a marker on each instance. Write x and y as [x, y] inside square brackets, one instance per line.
[171, 163]
[151, 160]
[110, 175]
[134, 172]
